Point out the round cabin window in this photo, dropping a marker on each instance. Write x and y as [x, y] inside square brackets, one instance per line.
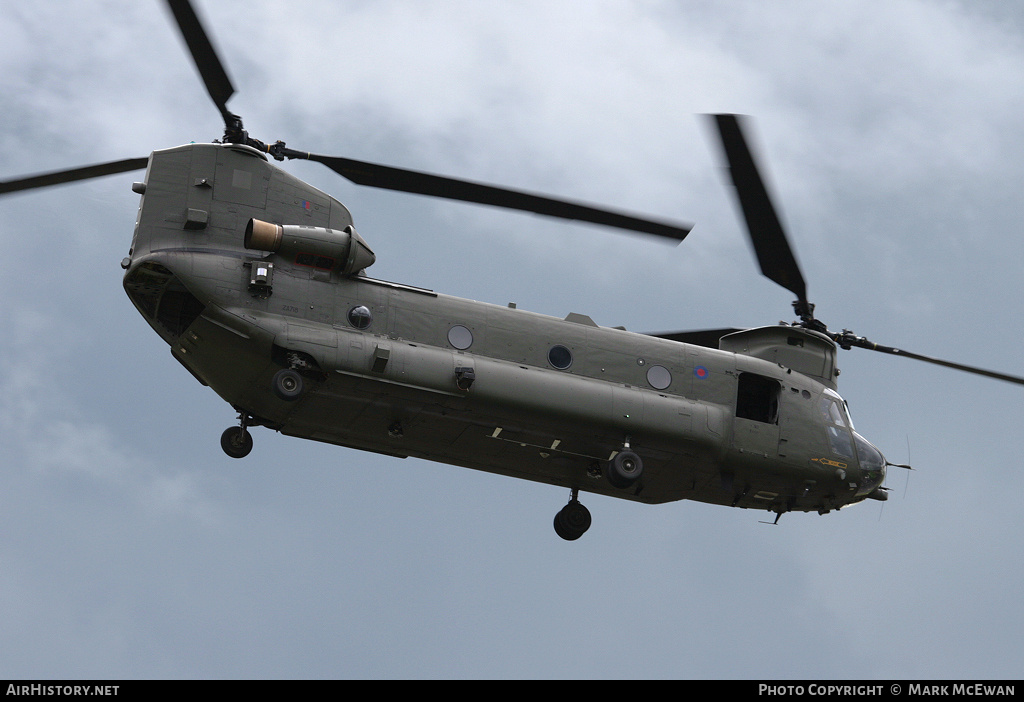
[560, 357]
[659, 377]
[360, 317]
[460, 337]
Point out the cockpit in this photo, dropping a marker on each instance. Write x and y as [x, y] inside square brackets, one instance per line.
[846, 443]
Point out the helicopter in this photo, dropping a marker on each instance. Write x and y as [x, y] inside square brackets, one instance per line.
[258, 283]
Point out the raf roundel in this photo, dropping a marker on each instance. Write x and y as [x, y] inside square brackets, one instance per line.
[701, 372]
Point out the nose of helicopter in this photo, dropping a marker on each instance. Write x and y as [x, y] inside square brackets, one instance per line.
[872, 467]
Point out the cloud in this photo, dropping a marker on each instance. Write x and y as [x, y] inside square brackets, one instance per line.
[60, 441]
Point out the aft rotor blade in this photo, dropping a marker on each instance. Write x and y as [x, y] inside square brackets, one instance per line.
[70, 175]
[698, 337]
[391, 178]
[846, 340]
[218, 85]
[774, 253]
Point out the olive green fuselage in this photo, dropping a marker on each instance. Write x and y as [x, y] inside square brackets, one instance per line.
[409, 372]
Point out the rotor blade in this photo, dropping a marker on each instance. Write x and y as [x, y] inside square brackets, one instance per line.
[218, 85]
[774, 253]
[698, 337]
[390, 178]
[846, 340]
[70, 175]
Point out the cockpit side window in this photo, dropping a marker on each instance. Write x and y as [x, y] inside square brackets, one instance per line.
[831, 411]
[836, 425]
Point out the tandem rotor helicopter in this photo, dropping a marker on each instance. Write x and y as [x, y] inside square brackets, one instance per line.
[258, 283]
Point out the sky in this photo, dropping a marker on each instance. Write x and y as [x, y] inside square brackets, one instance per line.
[132, 547]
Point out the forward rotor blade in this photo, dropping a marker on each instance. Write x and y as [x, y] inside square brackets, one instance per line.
[390, 178]
[218, 85]
[846, 340]
[70, 175]
[774, 253]
[698, 337]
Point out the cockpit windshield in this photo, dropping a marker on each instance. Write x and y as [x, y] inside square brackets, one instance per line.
[870, 458]
[839, 428]
[872, 465]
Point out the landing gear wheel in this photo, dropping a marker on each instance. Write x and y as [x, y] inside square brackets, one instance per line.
[624, 469]
[572, 521]
[287, 384]
[236, 442]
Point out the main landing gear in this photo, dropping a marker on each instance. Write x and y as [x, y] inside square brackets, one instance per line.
[237, 441]
[287, 384]
[299, 368]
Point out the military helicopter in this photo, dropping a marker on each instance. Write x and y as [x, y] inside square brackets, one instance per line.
[258, 283]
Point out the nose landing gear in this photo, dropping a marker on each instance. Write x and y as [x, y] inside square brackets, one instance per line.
[573, 520]
[625, 468]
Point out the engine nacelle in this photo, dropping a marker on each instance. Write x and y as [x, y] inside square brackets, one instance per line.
[318, 247]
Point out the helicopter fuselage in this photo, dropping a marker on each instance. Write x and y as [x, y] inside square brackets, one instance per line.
[404, 371]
